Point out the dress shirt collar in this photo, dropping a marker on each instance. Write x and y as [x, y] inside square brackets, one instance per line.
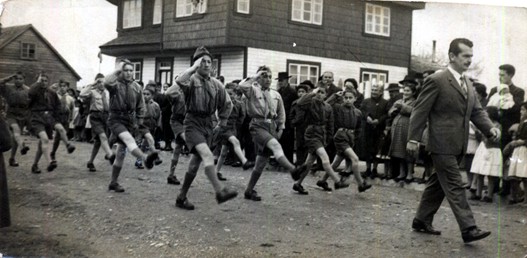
[457, 76]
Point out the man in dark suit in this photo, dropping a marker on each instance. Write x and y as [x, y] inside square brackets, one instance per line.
[448, 103]
[289, 95]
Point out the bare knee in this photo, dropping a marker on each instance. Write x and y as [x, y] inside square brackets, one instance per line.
[235, 142]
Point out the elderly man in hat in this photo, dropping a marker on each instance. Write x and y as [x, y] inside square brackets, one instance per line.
[289, 95]
[204, 96]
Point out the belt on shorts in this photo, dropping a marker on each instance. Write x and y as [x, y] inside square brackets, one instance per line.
[123, 113]
[98, 112]
[265, 120]
[346, 130]
[45, 112]
[201, 115]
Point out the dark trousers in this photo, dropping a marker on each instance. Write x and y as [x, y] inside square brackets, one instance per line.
[446, 182]
[288, 143]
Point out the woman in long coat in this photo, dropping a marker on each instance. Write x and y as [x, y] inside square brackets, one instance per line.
[401, 110]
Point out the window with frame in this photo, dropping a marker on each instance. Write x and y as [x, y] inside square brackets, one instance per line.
[307, 11]
[158, 11]
[301, 71]
[132, 13]
[376, 76]
[377, 20]
[28, 51]
[186, 8]
[243, 6]
[138, 69]
[164, 70]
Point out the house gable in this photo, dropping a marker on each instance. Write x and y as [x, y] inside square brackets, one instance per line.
[47, 59]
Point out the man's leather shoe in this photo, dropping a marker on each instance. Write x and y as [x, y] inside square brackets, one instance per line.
[221, 177]
[341, 184]
[297, 172]
[149, 162]
[70, 148]
[35, 169]
[13, 163]
[115, 187]
[474, 234]
[363, 187]
[172, 180]
[324, 185]
[236, 164]
[253, 196]
[91, 167]
[52, 165]
[110, 158]
[248, 165]
[422, 227]
[24, 149]
[300, 189]
[225, 194]
[184, 204]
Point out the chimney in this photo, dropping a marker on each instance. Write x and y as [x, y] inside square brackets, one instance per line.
[433, 51]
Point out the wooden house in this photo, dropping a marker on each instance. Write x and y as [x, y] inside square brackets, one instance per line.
[23, 48]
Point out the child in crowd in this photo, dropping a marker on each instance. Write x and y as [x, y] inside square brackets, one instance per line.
[299, 124]
[151, 121]
[488, 161]
[347, 121]
[319, 116]
[518, 161]
[227, 134]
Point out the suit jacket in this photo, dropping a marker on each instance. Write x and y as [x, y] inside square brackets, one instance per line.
[443, 104]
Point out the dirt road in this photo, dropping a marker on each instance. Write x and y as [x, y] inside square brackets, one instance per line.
[70, 213]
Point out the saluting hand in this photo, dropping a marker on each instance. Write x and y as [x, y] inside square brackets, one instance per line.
[197, 63]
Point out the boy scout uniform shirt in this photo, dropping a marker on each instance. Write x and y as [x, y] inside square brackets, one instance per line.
[203, 96]
[98, 99]
[126, 97]
[43, 99]
[17, 99]
[178, 108]
[263, 104]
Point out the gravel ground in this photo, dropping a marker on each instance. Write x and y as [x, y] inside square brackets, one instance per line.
[70, 213]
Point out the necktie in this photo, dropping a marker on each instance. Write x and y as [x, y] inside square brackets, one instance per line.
[270, 112]
[105, 105]
[463, 85]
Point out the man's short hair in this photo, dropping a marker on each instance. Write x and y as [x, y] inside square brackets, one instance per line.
[264, 68]
[332, 75]
[509, 69]
[454, 45]
[348, 90]
[302, 87]
[19, 73]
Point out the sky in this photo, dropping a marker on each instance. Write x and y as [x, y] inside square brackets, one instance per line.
[77, 28]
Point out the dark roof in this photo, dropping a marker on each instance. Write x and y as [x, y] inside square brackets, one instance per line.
[9, 34]
[135, 39]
